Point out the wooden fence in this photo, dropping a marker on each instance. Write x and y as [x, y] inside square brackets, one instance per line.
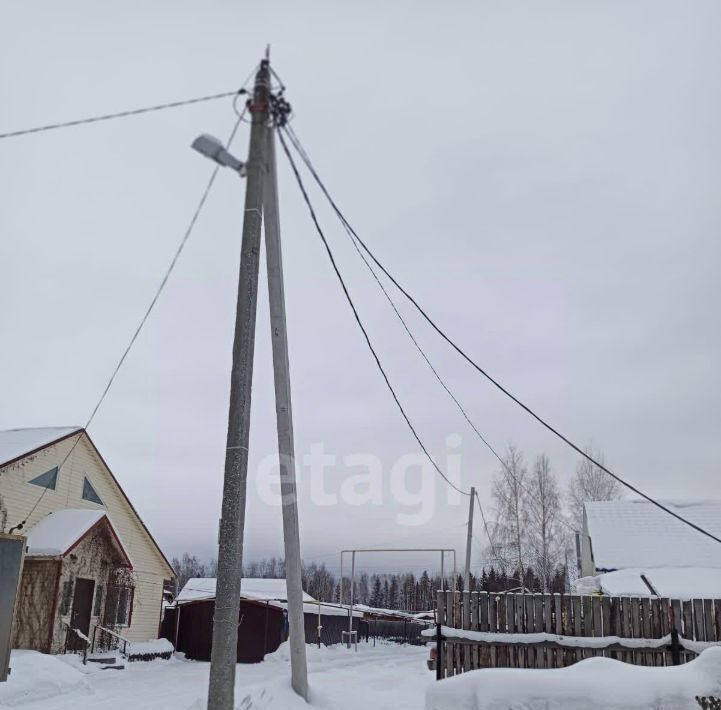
[611, 621]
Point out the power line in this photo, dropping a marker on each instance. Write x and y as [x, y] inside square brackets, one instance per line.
[135, 112]
[459, 406]
[143, 320]
[357, 317]
[483, 372]
[119, 114]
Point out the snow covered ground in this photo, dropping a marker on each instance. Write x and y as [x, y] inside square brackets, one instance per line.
[387, 677]
[592, 684]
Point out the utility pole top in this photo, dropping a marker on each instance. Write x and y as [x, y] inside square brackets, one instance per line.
[267, 52]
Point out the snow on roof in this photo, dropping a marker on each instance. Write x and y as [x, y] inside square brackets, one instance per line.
[635, 533]
[326, 609]
[383, 612]
[202, 588]
[56, 533]
[15, 443]
[671, 582]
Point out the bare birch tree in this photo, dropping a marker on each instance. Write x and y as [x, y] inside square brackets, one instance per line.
[545, 537]
[588, 484]
[511, 504]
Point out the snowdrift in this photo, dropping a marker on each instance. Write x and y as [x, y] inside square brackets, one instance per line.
[592, 684]
[37, 676]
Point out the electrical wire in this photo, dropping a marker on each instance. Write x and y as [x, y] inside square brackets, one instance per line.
[418, 347]
[357, 316]
[482, 371]
[120, 114]
[137, 111]
[143, 320]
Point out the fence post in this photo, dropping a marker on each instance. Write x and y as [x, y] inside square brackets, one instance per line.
[439, 651]
[675, 647]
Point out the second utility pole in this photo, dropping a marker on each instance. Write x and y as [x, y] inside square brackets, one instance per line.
[469, 540]
[284, 425]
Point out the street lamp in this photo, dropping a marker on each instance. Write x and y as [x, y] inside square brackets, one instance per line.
[212, 148]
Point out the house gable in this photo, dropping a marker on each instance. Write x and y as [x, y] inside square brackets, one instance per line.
[84, 462]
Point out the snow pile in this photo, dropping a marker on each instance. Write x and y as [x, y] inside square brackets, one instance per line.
[35, 676]
[671, 582]
[150, 650]
[592, 684]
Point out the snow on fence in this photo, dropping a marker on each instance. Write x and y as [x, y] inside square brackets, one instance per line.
[507, 630]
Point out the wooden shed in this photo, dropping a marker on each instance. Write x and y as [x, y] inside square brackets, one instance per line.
[262, 619]
[189, 626]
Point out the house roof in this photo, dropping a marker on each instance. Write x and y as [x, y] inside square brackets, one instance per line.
[12, 441]
[203, 588]
[671, 582]
[635, 533]
[326, 609]
[18, 443]
[59, 532]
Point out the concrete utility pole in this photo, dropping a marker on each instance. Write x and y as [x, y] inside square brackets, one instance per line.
[284, 422]
[230, 553]
[261, 206]
[469, 540]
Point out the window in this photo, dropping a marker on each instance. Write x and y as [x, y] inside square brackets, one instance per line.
[125, 605]
[90, 494]
[67, 597]
[98, 601]
[49, 479]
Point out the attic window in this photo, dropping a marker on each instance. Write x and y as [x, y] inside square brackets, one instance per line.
[49, 479]
[90, 494]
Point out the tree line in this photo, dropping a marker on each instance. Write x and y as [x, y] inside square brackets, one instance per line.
[530, 542]
[405, 590]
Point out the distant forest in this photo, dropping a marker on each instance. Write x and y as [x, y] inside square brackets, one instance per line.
[404, 591]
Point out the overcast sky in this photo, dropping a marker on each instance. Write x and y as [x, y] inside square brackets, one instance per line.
[543, 176]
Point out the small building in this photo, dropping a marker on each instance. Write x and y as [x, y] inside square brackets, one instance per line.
[633, 548]
[91, 561]
[262, 619]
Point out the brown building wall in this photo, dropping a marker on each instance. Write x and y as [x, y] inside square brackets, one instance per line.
[260, 630]
[34, 608]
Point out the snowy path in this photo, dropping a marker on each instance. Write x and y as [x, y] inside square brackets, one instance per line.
[383, 678]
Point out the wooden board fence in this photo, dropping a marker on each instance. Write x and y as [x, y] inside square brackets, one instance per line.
[570, 616]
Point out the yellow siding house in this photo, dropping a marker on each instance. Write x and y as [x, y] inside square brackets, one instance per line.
[91, 561]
